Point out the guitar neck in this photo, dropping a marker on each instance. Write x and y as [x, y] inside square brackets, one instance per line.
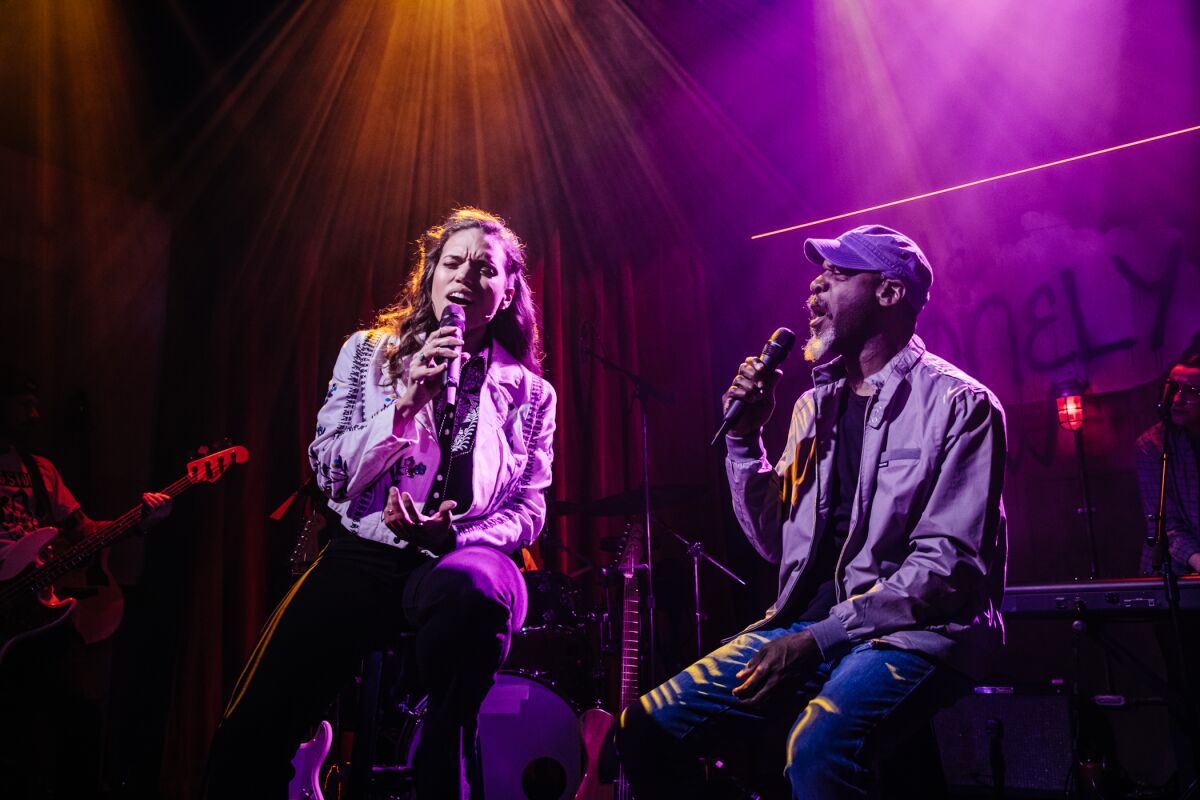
[630, 642]
[630, 655]
[631, 623]
[78, 554]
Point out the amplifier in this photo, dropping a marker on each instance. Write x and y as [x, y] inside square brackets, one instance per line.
[1006, 737]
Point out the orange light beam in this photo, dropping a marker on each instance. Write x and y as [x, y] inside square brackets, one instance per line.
[980, 181]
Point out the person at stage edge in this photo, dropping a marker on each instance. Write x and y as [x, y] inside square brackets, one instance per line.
[885, 516]
[1180, 431]
[434, 499]
[51, 690]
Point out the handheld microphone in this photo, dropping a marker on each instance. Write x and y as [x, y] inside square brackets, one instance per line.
[773, 354]
[453, 316]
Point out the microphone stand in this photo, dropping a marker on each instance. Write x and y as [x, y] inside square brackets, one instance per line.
[1162, 558]
[1087, 503]
[642, 391]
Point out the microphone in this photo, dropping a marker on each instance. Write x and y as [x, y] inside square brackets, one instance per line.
[1166, 399]
[774, 352]
[453, 316]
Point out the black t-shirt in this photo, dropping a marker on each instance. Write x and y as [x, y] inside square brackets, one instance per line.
[852, 416]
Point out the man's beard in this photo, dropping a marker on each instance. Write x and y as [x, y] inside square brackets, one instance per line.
[818, 345]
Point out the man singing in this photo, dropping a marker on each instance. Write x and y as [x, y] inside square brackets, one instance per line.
[885, 516]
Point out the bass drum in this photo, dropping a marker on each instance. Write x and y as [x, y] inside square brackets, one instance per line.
[530, 742]
[553, 644]
[553, 599]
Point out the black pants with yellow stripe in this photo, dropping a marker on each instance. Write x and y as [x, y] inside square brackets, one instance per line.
[357, 597]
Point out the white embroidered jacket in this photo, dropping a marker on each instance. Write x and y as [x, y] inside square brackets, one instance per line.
[357, 457]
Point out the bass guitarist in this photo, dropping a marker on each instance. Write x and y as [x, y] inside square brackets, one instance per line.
[51, 705]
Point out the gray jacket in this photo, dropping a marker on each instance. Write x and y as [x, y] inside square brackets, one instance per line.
[923, 564]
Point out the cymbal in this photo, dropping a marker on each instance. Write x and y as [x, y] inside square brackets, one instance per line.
[564, 508]
[667, 495]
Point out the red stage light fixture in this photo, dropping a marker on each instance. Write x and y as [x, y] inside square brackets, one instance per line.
[1069, 399]
[1070, 412]
[1068, 396]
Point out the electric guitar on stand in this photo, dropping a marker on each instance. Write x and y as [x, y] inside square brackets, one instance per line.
[28, 604]
[306, 783]
[311, 755]
[596, 722]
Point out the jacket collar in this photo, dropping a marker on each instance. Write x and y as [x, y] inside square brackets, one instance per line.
[894, 370]
[829, 377]
[504, 368]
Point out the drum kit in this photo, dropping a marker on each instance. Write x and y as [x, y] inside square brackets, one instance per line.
[538, 737]
[531, 742]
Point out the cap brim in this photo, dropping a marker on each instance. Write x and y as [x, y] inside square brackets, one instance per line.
[818, 251]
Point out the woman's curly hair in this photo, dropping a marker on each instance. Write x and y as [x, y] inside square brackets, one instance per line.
[411, 317]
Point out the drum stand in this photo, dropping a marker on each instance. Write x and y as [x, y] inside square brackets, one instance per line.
[696, 552]
[642, 390]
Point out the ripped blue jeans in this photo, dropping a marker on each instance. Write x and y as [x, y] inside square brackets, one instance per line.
[841, 719]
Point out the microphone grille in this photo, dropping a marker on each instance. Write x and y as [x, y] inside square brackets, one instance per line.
[453, 314]
[784, 337]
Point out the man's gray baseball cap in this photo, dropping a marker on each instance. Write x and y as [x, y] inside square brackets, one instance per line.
[877, 248]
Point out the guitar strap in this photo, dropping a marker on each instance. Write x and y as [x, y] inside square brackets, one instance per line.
[41, 498]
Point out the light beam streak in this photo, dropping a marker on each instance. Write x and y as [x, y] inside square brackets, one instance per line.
[969, 184]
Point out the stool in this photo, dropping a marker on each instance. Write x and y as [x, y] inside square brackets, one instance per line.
[392, 668]
[366, 727]
[363, 768]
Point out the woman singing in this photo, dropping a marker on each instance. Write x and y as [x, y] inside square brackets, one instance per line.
[430, 519]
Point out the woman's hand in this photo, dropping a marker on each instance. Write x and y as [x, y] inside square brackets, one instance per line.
[423, 380]
[404, 519]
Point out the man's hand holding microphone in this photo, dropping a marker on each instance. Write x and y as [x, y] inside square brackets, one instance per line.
[750, 400]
